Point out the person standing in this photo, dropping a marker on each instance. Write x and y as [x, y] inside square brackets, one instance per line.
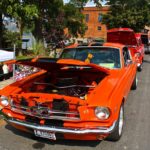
[10, 70]
[5, 71]
[1, 72]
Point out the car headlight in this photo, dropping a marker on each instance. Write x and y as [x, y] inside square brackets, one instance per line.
[102, 113]
[4, 100]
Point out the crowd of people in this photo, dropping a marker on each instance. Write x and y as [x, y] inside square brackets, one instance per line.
[6, 71]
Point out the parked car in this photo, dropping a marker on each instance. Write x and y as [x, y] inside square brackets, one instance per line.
[127, 37]
[79, 96]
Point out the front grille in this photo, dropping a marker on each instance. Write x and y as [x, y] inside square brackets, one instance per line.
[32, 119]
[23, 102]
[48, 122]
[45, 112]
[61, 105]
[55, 123]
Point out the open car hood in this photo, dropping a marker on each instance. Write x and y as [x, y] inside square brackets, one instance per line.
[124, 36]
[51, 64]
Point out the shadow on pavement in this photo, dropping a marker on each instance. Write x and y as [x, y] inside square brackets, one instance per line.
[146, 61]
[40, 142]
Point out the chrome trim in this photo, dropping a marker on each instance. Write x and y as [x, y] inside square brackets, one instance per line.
[64, 87]
[121, 120]
[56, 117]
[52, 114]
[98, 130]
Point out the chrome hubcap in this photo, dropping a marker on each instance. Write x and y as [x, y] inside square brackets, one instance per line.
[121, 119]
[136, 81]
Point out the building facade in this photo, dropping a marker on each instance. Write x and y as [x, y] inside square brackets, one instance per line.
[93, 20]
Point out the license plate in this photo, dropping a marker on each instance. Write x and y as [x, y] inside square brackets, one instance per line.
[45, 134]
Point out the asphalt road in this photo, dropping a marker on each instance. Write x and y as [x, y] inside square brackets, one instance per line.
[136, 134]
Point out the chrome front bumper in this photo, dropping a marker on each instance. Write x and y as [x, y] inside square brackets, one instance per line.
[97, 130]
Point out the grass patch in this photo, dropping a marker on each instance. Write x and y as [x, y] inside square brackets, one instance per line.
[24, 57]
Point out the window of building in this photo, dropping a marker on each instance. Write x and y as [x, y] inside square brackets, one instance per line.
[100, 17]
[87, 17]
[99, 28]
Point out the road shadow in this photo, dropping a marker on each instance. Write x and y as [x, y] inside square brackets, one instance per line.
[40, 142]
[146, 61]
[147, 53]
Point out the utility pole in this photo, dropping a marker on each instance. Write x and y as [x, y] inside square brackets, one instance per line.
[14, 59]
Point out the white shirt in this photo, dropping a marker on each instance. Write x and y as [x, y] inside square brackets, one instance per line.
[5, 69]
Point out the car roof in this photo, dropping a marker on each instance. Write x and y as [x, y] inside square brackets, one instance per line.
[107, 44]
[114, 45]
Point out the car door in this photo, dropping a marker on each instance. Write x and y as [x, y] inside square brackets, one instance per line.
[129, 70]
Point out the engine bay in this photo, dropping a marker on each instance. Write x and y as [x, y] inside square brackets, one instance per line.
[64, 83]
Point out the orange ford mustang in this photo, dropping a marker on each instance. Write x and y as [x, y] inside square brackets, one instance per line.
[78, 96]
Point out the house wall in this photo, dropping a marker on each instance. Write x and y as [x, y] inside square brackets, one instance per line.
[95, 28]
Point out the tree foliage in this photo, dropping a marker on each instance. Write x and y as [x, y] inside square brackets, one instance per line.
[124, 13]
[49, 18]
[54, 17]
[82, 3]
[5, 10]
[11, 38]
[74, 20]
[21, 11]
[45, 18]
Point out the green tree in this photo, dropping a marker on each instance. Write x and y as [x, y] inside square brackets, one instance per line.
[47, 18]
[5, 10]
[10, 38]
[21, 11]
[24, 14]
[82, 3]
[124, 13]
[74, 20]
[48, 11]
[54, 16]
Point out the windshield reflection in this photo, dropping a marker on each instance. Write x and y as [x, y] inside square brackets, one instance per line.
[105, 57]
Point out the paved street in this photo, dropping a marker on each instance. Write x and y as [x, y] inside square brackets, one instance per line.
[136, 130]
[6, 82]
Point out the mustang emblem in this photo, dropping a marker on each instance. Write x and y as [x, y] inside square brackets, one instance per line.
[40, 111]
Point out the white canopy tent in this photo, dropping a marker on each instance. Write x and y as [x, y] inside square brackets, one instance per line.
[5, 55]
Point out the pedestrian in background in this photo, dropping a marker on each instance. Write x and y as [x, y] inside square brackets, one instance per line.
[1, 72]
[5, 71]
[10, 70]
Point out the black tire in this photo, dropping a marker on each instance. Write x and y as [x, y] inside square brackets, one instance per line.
[140, 68]
[134, 84]
[117, 133]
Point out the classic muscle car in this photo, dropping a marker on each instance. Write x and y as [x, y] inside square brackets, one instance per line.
[79, 96]
[127, 37]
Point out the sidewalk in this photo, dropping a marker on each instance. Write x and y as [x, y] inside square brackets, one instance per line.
[2, 85]
[6, 82]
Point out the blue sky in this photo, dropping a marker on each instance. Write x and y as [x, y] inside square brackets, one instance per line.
[88, 4]
[66, 1]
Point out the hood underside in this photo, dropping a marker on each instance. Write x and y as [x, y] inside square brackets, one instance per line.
[51, 64]
[126, 37]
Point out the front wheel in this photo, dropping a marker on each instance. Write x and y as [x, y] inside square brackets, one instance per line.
[117, 133]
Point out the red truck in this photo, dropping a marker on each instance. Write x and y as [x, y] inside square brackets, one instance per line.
[131, 39]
